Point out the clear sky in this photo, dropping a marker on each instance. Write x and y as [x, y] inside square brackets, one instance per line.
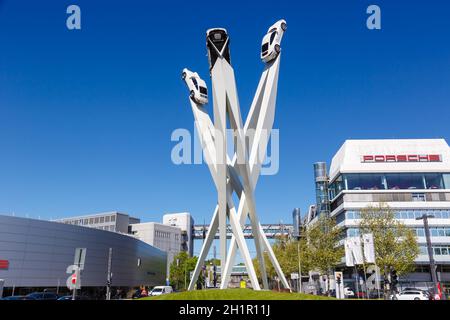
[86, 116]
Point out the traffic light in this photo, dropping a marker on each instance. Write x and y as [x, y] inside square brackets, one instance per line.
[74, 279]
[394, 279]
[338, 279]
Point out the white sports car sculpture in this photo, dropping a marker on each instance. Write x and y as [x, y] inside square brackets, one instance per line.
[270, 47]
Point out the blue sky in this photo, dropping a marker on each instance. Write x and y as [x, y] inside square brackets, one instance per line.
[86, 116]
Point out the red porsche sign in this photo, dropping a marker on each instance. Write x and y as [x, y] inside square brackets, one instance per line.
[4, 264]
[402, 158]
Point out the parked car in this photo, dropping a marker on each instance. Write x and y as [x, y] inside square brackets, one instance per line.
[218, 44]
[361, 295]
[159, 290]
[429, 293]
[136, 294]
[43, 296]
[348, 292]
[374, 294]
[77, 297]
[17, 298]
[411, 295]
[197, 86]
[270, 47]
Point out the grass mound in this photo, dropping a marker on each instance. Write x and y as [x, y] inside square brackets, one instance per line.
[236, 294]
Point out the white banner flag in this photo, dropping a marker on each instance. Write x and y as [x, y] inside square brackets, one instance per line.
[369, 248]
[357, 250]
[348, 253]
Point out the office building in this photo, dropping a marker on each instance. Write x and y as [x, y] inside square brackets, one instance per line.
[161, 236]
[36, 255]
[411, 176]
[185, 222]
[109, 221]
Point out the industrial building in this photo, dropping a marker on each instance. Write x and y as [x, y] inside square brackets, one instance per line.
[109, 221]
[36, 255]
[175, 234]
[411, 176]
[185, 222]
[161, 236]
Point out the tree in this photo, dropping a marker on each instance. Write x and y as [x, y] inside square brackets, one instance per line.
[180, 270]
[319, 250]
[287, 253]
[323, 247]
[395, 244]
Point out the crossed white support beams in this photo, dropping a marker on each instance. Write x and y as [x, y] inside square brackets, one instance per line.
[240, 174]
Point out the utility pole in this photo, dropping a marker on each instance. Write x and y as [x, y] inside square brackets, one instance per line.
[214, 267]
[109, 276]
[299, 264]
[387, 283]
[185, 275]
[425, 217]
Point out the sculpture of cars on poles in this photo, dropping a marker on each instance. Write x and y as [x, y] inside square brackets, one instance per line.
[217, 42]
[270, 48]
[197, 86]
[238, 173]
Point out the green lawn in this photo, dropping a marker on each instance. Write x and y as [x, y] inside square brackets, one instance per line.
[236, 294]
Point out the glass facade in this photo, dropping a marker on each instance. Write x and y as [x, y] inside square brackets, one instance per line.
[437, 250]
[420, 232]
[322, 192]
[389, 181]
[405, 214]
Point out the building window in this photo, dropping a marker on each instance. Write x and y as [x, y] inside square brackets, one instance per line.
[420, 232]
[446, 178]
[113, 218]
[102, 219]
[107, 218]
[433, 181]
[405, 181]
[365, 181]
[352, 232]
[96, 220]
[423, 250]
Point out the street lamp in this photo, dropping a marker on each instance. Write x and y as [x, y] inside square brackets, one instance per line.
[299, 265]
[425, 217]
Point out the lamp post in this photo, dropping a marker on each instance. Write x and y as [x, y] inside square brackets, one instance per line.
[425, 217]
[299, 265]
[185, 285]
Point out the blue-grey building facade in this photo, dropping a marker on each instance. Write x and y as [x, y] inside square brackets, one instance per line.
[37, 253]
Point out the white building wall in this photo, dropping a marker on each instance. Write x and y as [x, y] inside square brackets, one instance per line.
[163, 237]
[185, 222]
[349, 160]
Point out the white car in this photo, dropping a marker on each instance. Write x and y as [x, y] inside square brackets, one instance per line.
[270, 48]
[348, 292]
[159, 290]
[411, 295]
[197, 86]
[218, 44]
